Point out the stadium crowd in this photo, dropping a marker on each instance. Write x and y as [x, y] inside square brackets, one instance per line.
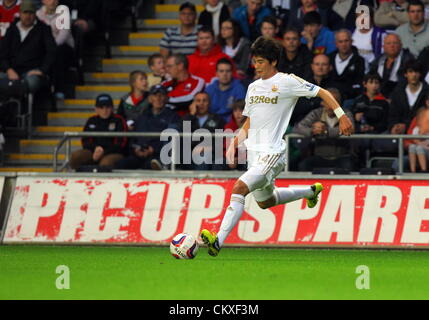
[376, 66]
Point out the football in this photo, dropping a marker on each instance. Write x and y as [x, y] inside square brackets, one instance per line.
[184, 246]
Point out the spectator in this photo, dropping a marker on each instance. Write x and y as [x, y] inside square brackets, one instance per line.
[235, 124]
[156, 64]
[319, 39]
[145, 151]
[183, 87]
[414, 34]
[391, 14]
[235, 46]
[250, 17]
[348, 67]
[65, 57]
[134, 103]
[27, 51]
[202, 62]
[87, 14]
[329, 152]
[369, 41]
[346, 10]
[281, 10]
[214, 14]
[296, 58]
[200, 118]
[104, 152]
[269, 28]
[182, 39]
[390, 65]
[418, 150]
[225, 90]
[371, 108]
[407, 98]
[9, 11]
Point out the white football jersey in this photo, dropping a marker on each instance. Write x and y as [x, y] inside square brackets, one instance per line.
[269, 105]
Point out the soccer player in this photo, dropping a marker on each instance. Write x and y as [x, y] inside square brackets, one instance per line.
[270, 101]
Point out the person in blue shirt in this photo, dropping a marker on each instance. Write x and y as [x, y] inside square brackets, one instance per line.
[225, 90]
[250, 17]
[319, 39]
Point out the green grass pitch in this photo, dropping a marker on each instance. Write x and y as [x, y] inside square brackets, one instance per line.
[29, 272]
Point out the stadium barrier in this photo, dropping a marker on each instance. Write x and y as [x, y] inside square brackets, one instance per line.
[149, 208]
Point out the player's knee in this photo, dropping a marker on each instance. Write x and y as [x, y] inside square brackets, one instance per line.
[240, 188]
[266, 204]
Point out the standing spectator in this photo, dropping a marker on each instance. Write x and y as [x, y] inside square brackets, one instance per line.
[28, 50]
[235, 46]
[202, 62]
[225, 90]
[407, 98]
[418, 150]
[134, 103]
[184, 86]
[348, 67]
[182, 39]
[145, 151]
[319, 39]
[9, 11]
[415, 34]
[104, 152]
[156, 64]
[269, 28]
[65, 57]
[199, 117]
[391, 14]
[296, 58]
[214, 14]
[390, 66]
[250, 17]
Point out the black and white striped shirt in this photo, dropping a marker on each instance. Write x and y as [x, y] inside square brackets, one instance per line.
[176, 42]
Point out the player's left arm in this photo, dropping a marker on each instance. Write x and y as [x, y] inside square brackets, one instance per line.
[345, 124]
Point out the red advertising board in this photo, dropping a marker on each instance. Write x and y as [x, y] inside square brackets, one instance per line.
[152, 211]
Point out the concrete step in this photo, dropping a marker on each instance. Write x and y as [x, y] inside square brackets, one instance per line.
[145, 38]
[45, 146]
[107, 78]
[80, 105]
[92, 91]
[27, 169]
[159, 24]
[31, 158]
[134, 51]
[171, 11]
[54, 132]
[68, 119]
[125, 65]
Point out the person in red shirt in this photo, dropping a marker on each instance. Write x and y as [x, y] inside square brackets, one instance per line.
[9, 11]
[202, 62]
[184, 86]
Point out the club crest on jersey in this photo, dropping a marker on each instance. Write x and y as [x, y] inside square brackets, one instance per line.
[275, 88]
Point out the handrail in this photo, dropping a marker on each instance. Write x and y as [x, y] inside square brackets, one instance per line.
[69, 135]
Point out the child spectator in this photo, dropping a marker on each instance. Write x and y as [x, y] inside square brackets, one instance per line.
[9, 11]
[319, 39]
[236, 123]
[214, 14]
[156, 64]
[134, 103]
[418, 150]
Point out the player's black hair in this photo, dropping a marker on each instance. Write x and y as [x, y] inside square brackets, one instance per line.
[312, 17]
[206, 29]
[415, 3]
[266, 48]
[371, 76]
[224, 61]
[413, 65]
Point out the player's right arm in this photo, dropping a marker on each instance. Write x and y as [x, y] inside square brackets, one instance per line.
[239, 138]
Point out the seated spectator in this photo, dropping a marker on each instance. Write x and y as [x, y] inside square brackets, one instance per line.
[156, 64]
[390, 66]
[391, 14]
[145, 151]
[202, 63]
[418, 150]
[371, 108]
[328, 18]
[348, 67]
[214, 14]
[250, 17]
[415, 33]
[319, 39]
[181, 39]
[199, 117]
[407, 98]
[329, 152]
[346, 10]
[65, 57]
[281, 10]
[134, 103]
[9, 11]
[104, 152]
[225, 90]
[184, 86]
[295, 58]
[232, 126]
[235, 46]
[27, 52]
[269, 28]
[368, 41]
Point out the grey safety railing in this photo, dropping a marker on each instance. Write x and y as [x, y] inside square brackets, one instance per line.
[68, 136]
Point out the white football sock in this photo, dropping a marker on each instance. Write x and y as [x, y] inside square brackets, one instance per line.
[232, 216]
[285, 195]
